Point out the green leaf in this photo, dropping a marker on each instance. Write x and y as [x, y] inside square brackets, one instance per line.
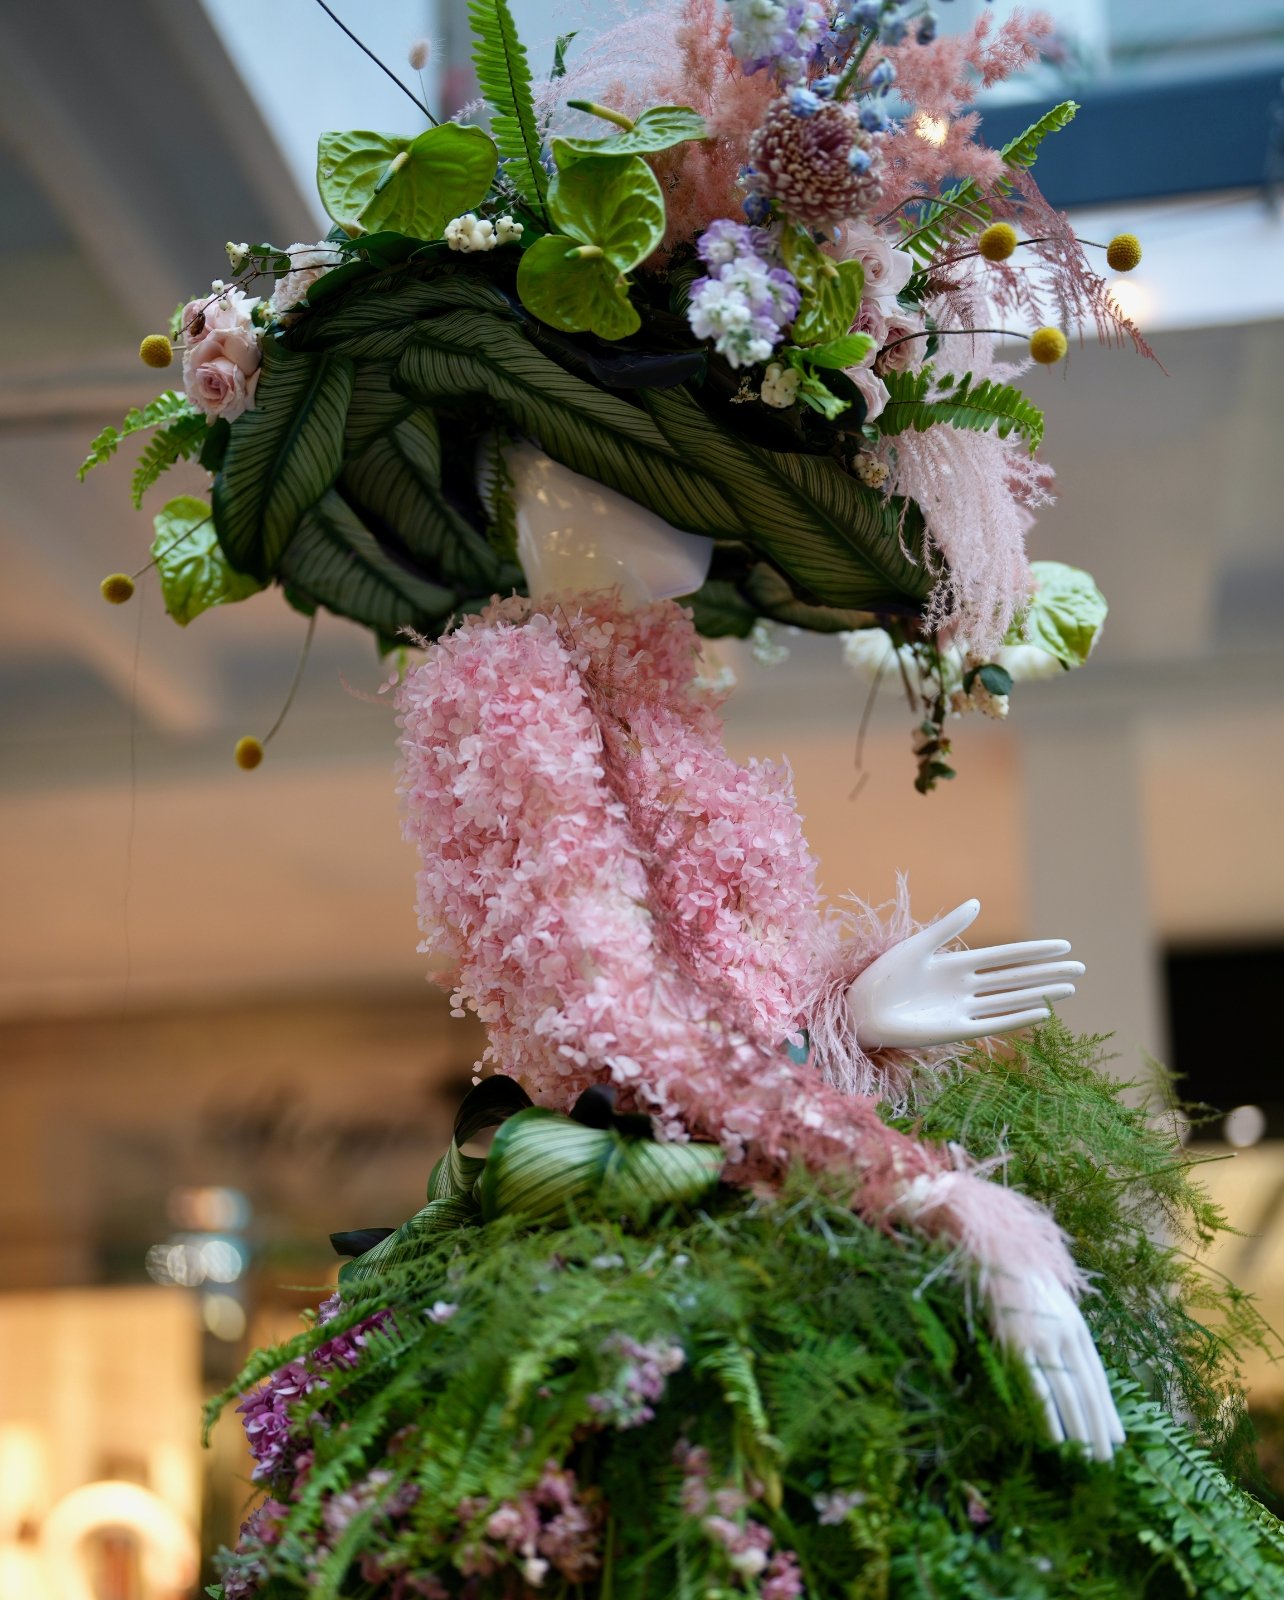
[575, 293]
[376, 321]
[997, 679]
[543, 1165]
[849, 351]
[559, 54]
[658, 128]
[816, 394]
[185, 437]
[1065, 615]
[835, 538]
[921, 400]
[613, 202]
[335, 560]
[395, 484]
[283, 455]
[467, 355]
[842, 542]
[772, 596]
[167, 407]
[504, 77]
[486, 1106]
[411, 186]
[412, 1238]
[831, 290]
[194, 572]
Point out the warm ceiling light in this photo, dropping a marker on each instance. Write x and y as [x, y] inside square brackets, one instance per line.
[1133, 298]
[932, 130]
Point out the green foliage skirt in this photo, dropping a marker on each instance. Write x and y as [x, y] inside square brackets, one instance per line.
[765, 1397]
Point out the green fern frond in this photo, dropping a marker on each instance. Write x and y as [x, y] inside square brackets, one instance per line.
[962, 210]
[920, 400]
[504, 77]
[182, 440]
[166, 407]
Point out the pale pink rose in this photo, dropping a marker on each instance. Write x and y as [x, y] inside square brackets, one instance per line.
[308, 262]
[873, 390]
[221, 363]
[220, 387]
[873, 321]
[887, 270]
[223, 310]
[900, 353]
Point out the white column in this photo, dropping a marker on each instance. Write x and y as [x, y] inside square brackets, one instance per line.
[1087, 874]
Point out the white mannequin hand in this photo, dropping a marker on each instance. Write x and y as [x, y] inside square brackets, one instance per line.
[1033, 1315]
[918, 993]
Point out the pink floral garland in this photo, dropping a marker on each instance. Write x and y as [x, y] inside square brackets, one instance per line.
[623, 903]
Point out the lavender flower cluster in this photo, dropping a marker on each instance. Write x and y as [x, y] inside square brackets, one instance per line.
[744, 303]
[640, 1382]
[780, 36]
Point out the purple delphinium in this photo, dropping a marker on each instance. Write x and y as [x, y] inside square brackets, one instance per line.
[780, 36]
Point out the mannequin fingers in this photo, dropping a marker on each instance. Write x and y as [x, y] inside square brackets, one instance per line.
[948, 927]
[1019, 1000]
[1005, 1022]
[1039, 1383]
[1108, 1431]
[1063, 1381]
[1016, 977]
[1007, 955]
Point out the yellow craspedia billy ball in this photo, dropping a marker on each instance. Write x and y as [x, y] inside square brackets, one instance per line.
[249, 752]
[156, 351]
[1047, 346]
[1123, 253]
[997, 242]
[117, 588]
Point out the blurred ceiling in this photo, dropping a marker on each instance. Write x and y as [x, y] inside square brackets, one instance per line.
[138, 863]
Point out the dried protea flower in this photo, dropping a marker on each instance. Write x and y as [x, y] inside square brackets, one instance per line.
[821, 167]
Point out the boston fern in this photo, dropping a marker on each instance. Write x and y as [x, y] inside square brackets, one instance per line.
[920, 400]
[504, 77]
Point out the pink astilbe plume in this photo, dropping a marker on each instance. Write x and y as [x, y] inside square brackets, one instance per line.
[940, 80]
[673, 55]
[623, 904]
[977, 492]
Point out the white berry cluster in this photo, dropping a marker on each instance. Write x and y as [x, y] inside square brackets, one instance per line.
[779, 386]
[472, 233]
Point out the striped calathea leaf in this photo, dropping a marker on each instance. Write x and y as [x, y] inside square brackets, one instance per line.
[352, 482]
[542, 1167]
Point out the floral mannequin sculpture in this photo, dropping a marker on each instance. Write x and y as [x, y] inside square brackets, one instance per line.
[720, 317]
[625, 905]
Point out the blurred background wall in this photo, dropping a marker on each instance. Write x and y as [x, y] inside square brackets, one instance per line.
[216, 1039]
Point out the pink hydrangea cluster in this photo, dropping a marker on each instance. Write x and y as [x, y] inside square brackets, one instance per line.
[623, 904]
[640, 1380]
[745, 1544]
[552, 1526]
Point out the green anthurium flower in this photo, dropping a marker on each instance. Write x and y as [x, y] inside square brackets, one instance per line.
[409, 186]
[609, 211]
[658, 128]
